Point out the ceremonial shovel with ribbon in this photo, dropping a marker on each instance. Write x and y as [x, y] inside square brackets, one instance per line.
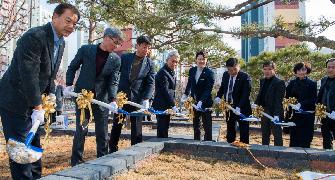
[85, 98]
[321, 112]
[225, 107]
[258, 112]
[24, 152]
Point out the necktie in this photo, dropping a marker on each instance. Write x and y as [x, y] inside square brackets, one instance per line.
[230, 89]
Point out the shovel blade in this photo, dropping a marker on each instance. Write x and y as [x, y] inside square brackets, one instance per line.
[22, 154]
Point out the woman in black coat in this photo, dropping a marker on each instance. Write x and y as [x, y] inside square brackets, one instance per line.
[305, 91]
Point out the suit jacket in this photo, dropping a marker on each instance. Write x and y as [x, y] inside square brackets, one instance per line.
[105, 84]
[31, 72]
[330, 96]
[241, 91]
[273, 97]
[165, 85]
[201, 91]
[305, 91]
[142, 87]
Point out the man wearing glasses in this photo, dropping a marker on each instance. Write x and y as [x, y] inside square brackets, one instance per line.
[99, 73]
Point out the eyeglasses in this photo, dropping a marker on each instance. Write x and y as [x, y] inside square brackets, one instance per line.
[117, 43]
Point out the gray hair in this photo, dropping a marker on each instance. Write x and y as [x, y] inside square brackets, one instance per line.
[171, 54]
[114, 32]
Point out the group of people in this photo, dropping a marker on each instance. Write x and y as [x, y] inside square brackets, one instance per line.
[236, 87]
[38, 55]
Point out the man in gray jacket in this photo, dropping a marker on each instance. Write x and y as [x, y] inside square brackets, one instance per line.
[99, 73]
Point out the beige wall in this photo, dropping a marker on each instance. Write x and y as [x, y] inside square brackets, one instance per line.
[289, 15]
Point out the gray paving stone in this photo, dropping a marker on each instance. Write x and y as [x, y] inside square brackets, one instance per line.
[147, 151]
[207, 146]
[55, 177]
[80, 173]
[156, 146]
[222, 156]
[274, 151]
[259, 150]
[116, 165]
[224, 147]
[181, 144]
[104, 171]
[320, 154]
[204, 154]
[128, 152]
[295, 153]
[247, 159]
[130, 160]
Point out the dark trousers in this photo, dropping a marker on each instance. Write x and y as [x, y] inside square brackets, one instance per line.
[231, 128]
[101, 133]
[301, 135]
[53, 116]
[267, 127]
[328, 132]
[136, 129]
[207, 124]
[163, 122]
[17, 127]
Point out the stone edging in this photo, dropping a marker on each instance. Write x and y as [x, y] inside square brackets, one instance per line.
[273, 156]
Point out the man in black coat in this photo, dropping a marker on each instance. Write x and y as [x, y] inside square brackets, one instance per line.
[199, 87]
[99, 73]
[270, 97]
[137, 81]
[235, 88]
[165, 86]
[32, 72]
[326, 96]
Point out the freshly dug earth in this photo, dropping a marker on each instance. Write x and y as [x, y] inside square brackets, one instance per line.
[181, 166]
[57, 154]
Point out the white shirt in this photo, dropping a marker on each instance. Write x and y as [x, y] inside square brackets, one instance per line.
[233, 81]
[198, 73]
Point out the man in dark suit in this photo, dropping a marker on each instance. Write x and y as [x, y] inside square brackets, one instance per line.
[199, 87]
[235, 88]
[165, 86]
[270, 97]
[99, 73]
[137, 81]
[326, 97]
[32, 72]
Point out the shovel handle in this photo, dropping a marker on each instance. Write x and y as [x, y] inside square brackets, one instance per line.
[100, 103]
[31, 133]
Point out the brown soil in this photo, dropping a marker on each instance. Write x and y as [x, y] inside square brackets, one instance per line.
[57, 154]
[180, 166]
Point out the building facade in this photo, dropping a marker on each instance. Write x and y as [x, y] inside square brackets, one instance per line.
[266, 16]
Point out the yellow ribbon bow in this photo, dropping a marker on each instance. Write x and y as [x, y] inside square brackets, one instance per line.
[84, 100]
[320, 111]
[48, 105]
[286, 104]
[121, 100]
[188, 105]
[224, 108]
[257, 112]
